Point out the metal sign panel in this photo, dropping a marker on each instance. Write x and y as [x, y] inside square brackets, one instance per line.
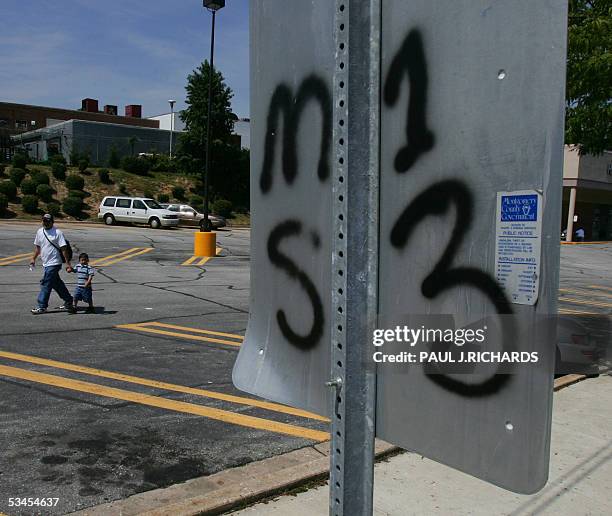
[472, 104]
[286, 353]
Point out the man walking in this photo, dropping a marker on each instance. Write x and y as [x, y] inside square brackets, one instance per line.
[51, 245]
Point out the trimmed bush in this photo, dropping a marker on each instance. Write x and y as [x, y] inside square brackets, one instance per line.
[78, 193]
[19, 161]
[28, 187]
[4, 200]
[222, 207]
[17, 175]
[74, 182]
[104, 177]
[134, 165]
[58, 170]
[178, 192]
[29, 203]
[40, 178]
[163, 198]
[83, 164]
[9, 189]
[72, 206]
[114, 161]
[44, 192]
[54, 208]
[196, 201]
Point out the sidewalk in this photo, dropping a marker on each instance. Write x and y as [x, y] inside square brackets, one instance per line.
[579, 483]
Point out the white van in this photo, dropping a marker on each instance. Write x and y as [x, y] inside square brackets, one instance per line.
[137, 210]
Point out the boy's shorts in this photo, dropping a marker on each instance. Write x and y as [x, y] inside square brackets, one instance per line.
[83, 294]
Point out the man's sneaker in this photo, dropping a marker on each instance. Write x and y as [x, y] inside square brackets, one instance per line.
[38, 311]
[90, 310]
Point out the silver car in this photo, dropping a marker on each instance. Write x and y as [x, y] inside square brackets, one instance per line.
[191, 217]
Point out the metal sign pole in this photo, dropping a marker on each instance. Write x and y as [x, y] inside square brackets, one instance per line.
[354, 253]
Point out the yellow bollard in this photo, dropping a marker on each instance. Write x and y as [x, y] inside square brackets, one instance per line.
[204, 243]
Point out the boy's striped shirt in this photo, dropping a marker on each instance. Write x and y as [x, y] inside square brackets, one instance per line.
[83, 273]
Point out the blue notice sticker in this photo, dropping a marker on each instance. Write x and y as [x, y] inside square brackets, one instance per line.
[519, 208]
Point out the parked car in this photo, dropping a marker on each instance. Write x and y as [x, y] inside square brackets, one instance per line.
[191, 217]
[137, 210]
[577, 349]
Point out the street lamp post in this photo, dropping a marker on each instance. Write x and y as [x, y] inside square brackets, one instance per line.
[171, 102]
[213, 6]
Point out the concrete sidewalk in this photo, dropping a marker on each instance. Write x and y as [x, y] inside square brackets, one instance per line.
[579, 483]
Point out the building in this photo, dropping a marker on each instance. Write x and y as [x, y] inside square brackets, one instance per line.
[587, 194]
[96, 139]
[16, 119]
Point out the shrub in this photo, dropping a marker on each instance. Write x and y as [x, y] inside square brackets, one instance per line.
[163, 198]
[104, 176]
[222, 207]
[83, 164]
[72, 206]
[57, 158]
[44, 192]
[196, 201]
[9, 189]
[54, 208]
[123, 189]
[2, 167]
[58, 170]
[40, 178]
[162, 163]
[17, 175]
[29, 203]
[74, 182]
[28, 187]
[4, 200]
[148, 194]
[19, 161]
[114, 161]
[134, 165]
[78, 193]
[178, 192]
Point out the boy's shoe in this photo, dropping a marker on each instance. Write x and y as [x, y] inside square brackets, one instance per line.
[38, 311]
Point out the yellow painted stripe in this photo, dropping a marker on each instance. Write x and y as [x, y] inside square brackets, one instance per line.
[195, 330]
[24, 255]
[145, 329]
[578, 312]
[588, 293]
[158, 402]
[584, 302]
[100, 260]
[600, 287]
[133, 255]
[13, 261]
[189, 261]
[204, 260]
[162, 385]
[584, 243]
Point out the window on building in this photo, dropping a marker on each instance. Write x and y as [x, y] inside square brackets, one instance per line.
[4, 122]
[21, 124]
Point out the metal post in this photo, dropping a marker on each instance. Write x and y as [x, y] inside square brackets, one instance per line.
[171, 124]
[571, 209]
[208, 127]
[355, 253]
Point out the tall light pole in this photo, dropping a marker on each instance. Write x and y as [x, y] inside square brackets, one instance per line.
[213, 6]
[171, 102]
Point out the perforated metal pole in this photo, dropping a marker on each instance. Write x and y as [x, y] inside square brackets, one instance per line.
[355, 253]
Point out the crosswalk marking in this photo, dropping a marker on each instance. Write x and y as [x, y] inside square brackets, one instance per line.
[184, 332]
[159, 402]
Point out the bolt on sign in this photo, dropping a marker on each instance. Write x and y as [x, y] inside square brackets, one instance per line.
[471, 117]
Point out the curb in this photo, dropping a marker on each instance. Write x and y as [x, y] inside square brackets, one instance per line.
[237, 487]
[231, 488]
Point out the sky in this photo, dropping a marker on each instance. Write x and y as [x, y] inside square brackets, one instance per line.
[118, 51]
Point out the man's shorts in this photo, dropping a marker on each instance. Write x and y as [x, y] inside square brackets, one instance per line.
[83, 294]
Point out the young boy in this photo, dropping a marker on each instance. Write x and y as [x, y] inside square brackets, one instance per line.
[85, 274]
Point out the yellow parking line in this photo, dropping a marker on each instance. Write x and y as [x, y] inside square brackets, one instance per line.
[585, 293]
[146, 329]
[195, 330]
[189, 261]
[127, 257]
[578, 312]
[203, 260]
[584, 302]
[7, 260]
[158, 402]
[162, 385]
[100, 260]
[599, 287]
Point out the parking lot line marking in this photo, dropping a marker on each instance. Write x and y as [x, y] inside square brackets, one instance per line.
[189, 261]
[164, 403]
[586, 293]
[584, 302]
[578, 312]
[147, 329]
[127, 257]
[204, 260]
[7, 260]
[100, 260]
[195, 330]
[600, 287]
[275, 407]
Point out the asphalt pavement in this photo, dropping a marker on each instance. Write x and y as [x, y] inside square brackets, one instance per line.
[97, 407]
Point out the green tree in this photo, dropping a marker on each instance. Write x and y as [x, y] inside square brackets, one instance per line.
[589, 75]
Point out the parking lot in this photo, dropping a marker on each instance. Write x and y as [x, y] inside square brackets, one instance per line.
[138, 395]
[100, 406]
